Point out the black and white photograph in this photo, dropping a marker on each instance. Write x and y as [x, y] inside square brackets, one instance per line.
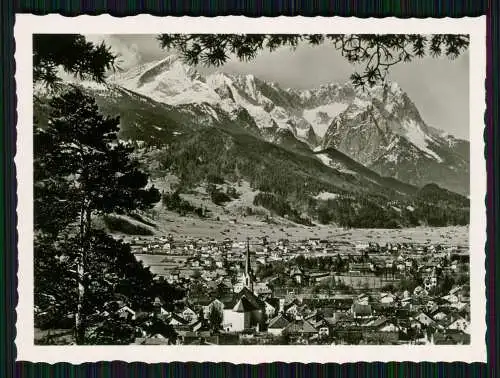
[266, 189]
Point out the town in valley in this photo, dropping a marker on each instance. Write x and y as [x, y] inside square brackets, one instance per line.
[313, 291]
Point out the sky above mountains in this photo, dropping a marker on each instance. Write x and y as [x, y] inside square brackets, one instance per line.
[438, 86]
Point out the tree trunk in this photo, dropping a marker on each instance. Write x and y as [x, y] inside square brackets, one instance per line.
[80, 317]
[80, 271]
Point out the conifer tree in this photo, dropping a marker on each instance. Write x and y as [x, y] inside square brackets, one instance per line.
[81, 171]
[215, 318]
[74, 54]
[378, 52]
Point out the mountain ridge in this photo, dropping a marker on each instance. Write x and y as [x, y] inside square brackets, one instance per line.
[330, 115]
[239, 133]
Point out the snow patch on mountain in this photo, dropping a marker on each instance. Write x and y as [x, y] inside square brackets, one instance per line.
[280, 114]
[218, 80]
[361, 103]
[211, 111]
[329, 162]
[302, 133]
[325, 159]
[169, 81]
[325, 196]
[250, 86]
[419, 138]
[318, 121]
[262, 118]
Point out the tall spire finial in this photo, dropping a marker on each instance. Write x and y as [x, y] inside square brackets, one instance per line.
[247, 260]
[248, 274]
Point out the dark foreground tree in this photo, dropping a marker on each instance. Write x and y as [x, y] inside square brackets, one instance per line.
[82, 171]
[112, 331]
[158, 326]
[71, 52]
[378, 52]
[215, 318]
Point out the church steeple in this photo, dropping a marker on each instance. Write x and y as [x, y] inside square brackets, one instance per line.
[247, 260]
[248, 269]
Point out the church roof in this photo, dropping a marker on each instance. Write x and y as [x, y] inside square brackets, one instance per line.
[244, 305]
[275, 302]
[251, 297]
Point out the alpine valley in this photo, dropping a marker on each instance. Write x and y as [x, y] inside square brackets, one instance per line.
[234, 146]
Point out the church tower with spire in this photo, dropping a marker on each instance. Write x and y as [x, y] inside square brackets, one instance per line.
[248, 275]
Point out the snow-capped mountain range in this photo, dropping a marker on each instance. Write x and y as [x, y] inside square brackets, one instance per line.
[379, 127]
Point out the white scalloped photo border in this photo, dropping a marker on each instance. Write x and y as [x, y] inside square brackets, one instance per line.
[27, 25]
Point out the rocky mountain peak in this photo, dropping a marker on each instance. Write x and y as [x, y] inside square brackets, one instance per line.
[379, 127]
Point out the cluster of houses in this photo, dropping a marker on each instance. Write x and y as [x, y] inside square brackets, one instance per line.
[226, 303]
[177, 260]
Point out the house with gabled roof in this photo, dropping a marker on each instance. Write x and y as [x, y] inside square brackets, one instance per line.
[320, 324]
[277, 325]
[188, 314]
[271, 307]
[439, 316]
[292, 310]
[326, 311]
[176, 320]
[407, 302]
[361, 310]
[425, 320]
[459, 324]
[300, 328]
[159, 307]
[342, 304]
[460, 306]
[383, 324]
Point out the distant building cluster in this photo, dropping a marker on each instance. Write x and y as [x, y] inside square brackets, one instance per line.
[309, 292]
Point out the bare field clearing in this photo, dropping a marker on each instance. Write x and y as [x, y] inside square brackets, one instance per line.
[230, 221]
[190, 227]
